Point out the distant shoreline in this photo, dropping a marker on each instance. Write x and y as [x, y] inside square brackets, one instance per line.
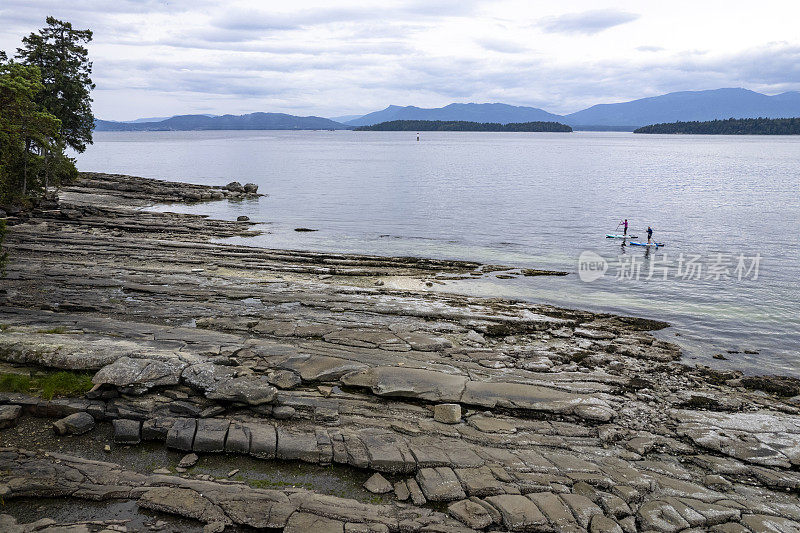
[464, 125]
[732, 126]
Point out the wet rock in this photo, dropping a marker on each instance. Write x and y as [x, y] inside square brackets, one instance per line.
[210, 435]
[377, 484]
[447, 413]
[74, 424]
[235, 186]
[242, 218]
[181, 435]
[779, 385]
[127, 431]
[250, 188]
[9, 414]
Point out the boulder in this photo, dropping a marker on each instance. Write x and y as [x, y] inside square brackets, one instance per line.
[251, 188]
[9, 414]
[234, 186]
[74, 424]
[242, 218]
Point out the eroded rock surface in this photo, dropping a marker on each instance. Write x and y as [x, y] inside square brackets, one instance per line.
[558, 420]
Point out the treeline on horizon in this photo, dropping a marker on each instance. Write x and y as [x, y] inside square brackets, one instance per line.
[731, 126]
[464, 125]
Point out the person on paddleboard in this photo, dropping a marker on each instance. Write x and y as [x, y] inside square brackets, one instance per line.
[649, 234]
[625, 227]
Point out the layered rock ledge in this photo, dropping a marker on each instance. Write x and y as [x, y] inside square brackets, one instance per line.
[476, 414]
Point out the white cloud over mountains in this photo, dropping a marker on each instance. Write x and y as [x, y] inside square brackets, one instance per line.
[158, 57]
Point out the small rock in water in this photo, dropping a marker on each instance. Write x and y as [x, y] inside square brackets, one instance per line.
[720, 356]
[377, 484]
[305, 229]
[188, 460]
[447, 413]
[242, 218]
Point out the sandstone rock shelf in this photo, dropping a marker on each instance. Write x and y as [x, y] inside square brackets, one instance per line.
[548, 419]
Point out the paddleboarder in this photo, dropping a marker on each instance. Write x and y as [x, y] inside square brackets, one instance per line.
[625, 227]
[649, 234]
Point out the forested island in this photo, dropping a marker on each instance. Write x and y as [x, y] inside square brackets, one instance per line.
[731, 126]
[463, 125]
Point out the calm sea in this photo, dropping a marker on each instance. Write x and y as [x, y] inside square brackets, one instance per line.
[726, 208]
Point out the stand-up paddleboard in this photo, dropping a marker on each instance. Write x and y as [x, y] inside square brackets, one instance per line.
[615, 236]
[656, 244]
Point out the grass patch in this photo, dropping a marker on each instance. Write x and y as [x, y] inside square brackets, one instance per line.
[47, 385]
[57, 329]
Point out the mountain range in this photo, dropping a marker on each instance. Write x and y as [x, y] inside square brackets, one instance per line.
[251, 121]
[678, 106]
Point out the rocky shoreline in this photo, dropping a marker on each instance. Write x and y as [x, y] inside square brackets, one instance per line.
[456, 413]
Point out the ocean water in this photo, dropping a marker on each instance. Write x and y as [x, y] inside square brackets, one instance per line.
[726, 208]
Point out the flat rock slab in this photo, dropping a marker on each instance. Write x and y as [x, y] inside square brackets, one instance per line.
[764, 438]
[409, 383]
[140, 375]
[320, 367]
[440, 484]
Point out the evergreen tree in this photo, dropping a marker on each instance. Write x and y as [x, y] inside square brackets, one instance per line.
[30, 148]
[63, 60]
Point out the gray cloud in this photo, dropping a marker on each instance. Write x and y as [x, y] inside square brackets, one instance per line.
[649, 48]
[587, 22]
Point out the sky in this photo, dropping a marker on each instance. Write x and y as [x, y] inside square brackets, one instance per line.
[161, 58]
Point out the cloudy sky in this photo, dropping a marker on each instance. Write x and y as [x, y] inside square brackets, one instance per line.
[159, 58]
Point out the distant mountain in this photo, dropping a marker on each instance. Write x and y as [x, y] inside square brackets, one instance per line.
[685, 106]
[689, 106]
[499, 113]
[252, 121]
[345, 118]
[462, 125]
